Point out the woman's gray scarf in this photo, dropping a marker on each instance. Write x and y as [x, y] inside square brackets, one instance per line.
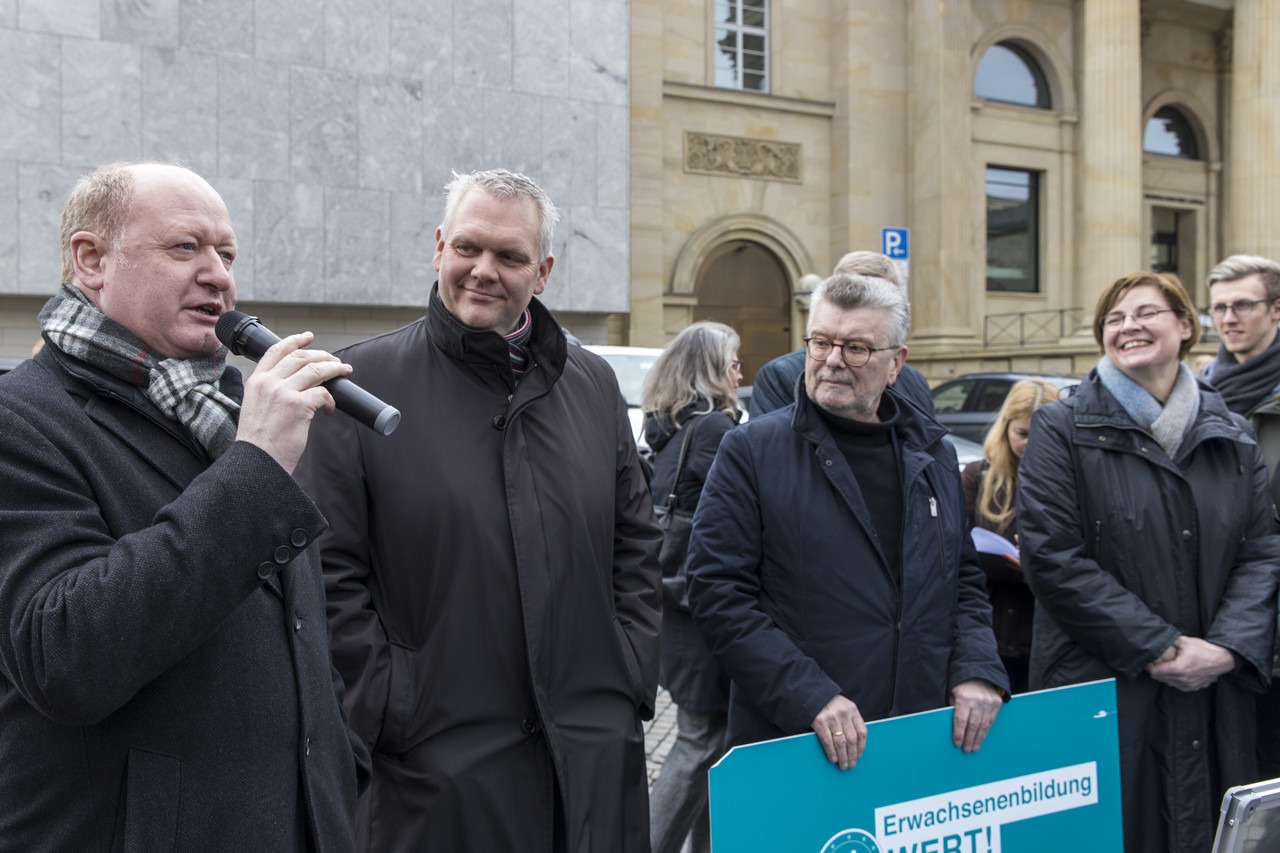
[185, 390]
[1168, 423]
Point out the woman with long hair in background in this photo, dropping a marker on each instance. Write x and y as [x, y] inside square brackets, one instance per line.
[690, 401]
[990, 487]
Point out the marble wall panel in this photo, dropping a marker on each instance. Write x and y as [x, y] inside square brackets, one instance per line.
[80, 18]
[41, 192]
[9, 226]
[30, 94]
[598, 260]
[289, 31]
[329, 126]
[613, 155]
[453, 134]
[482, 44]
[324, 112]
[357, 258]
[217, 26]
[541, 47]
[288, 265]
[421, 43]
[413, 242]
[180, 107]
[598, 50]
[101, 102]
[512, 138]
[391, 134]
[569, 162]
[253, 118]
[153, 22]
[357, 35]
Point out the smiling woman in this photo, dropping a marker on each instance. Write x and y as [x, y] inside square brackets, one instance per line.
[1146, 532]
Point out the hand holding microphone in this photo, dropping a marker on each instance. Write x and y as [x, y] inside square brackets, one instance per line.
[244, 335]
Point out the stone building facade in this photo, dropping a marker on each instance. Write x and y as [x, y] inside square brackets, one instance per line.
[1035, 149]
[330, 128]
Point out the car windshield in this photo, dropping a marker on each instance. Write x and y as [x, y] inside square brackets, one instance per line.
[631, 369]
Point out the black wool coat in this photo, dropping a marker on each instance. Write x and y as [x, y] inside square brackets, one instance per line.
[1125, 549]
[165, 682]
[494, 592]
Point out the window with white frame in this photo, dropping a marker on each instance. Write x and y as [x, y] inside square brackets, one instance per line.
[742, 44]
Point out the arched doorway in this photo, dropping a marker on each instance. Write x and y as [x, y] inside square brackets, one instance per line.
[745, 285]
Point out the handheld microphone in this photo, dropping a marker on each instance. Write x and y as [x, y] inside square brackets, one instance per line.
[244, 335]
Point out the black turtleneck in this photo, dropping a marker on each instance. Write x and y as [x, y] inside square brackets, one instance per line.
[870, 450]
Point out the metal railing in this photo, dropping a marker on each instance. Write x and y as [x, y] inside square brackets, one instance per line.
[1032, 327]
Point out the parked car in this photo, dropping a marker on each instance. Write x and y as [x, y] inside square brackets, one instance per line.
[966, 451]
[968, 405]
[630, 364]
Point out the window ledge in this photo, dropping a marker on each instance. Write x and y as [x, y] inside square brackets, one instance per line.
[739, 97]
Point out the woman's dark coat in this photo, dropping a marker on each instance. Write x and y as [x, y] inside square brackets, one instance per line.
[790, 585]
[689, 672]
[1012, 604]
[164, 667]
[1125, 550]
[494, 593]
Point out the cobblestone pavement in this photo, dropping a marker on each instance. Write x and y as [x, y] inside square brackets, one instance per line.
[659, 734]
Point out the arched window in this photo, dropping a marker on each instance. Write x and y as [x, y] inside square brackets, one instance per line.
[1007, 73]
[1169, 132]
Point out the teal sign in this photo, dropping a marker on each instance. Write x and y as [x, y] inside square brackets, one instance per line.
[1047, 779]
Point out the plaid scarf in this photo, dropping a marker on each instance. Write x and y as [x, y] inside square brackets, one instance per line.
[185, 390]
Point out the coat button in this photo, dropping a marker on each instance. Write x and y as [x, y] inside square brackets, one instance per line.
[298, 538]
[1187, 535]
[500, 422]
[297, 622]
[283, 554]
[306, 747]
[529, 726]
[1102, 438]
[266, 570]
[1197, 745]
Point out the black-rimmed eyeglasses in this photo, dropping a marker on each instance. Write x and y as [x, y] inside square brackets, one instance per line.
[855, 355]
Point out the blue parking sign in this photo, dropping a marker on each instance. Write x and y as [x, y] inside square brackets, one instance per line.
[895, 243]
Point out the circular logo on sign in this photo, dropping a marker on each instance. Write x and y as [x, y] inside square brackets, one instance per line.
[851, 841]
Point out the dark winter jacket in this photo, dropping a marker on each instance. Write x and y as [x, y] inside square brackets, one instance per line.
[689, 672]
[1125, 550]
[164, 666]
[790, 584]
[494, 594]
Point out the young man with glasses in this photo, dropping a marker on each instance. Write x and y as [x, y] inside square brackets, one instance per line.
[1244, 296]
[831, 570]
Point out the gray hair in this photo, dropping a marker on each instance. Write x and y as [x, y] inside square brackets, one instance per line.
[1238, 266]
[863, 291]
[695, 364]
[504, 184]
[871, 264]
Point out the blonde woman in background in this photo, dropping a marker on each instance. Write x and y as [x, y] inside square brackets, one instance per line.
[691, 393]
[990, 486]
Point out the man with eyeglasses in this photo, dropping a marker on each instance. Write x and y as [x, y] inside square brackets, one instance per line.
[1244, 295]
[776, 381]
[831, 570]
